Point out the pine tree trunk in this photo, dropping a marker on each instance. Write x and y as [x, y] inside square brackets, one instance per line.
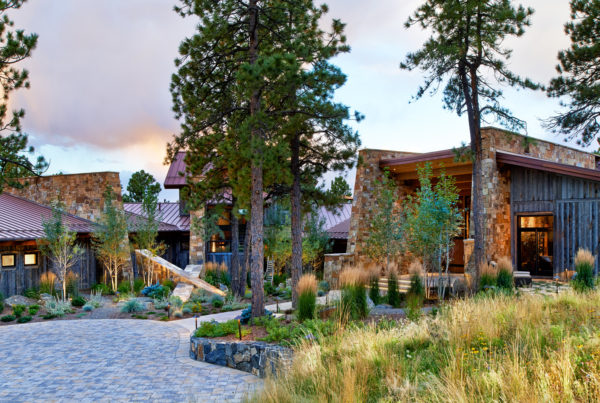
[246, 265]
[234, 270]
[256, 198]
[296, 199]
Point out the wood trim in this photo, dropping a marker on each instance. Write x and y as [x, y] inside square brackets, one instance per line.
[503, 157]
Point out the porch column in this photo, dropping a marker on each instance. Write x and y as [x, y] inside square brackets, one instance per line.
[197, 249]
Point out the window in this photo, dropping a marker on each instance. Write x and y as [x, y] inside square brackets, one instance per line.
[31, 259]
[9, 260]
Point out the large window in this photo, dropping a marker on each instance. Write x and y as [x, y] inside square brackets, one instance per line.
[9, 260]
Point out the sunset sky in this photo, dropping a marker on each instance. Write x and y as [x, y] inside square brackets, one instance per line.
[100, 101]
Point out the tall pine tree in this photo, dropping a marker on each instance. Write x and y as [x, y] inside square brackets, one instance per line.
[578, 75]
[466, 52]
[15, 46]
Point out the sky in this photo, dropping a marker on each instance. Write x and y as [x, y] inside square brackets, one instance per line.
[100, 101]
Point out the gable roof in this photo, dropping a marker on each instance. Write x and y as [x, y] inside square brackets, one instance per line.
[22, 219]
[176, 176]
[168, 217]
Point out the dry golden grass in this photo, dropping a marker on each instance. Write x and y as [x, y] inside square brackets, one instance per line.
[307, 284]
[48, 277]
[485, 349]
[584, 257]
[488, 269]
[416, 267]
[505, 263]
[353, 276]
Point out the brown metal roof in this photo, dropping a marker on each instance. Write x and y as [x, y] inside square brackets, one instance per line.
[21, 219]
[525, 161]
[340, 230]
[176, 176]
[169, 217]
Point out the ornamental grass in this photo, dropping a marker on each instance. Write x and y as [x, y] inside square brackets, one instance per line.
[307, 297]
[584, 267]
[527, 348]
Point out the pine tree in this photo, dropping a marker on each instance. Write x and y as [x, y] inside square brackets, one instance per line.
[578, 75]
[466, 52]
[15, 46]
[140, 185]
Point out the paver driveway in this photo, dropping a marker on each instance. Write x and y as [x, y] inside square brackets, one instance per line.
[110, 360]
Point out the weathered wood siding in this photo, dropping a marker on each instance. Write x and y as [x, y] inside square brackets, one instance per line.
[16, 280]
[574, 202]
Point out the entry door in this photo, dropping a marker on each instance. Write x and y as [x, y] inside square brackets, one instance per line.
[535, 244]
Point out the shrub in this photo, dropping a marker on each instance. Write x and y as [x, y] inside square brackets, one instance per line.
[279, 278]
[24, 319]
[186, 310]
[295, 333]
[178, 313]
[584, 268]
[393, 292]
[49, 316]
[269, 289]
[138, 285]
[307, 297]
[102, 288]
[88, 307]
[175, 302]
[72, 284]
[32, 293]
[216, 329]
[248, 294]
[217, 301]
[18, 310]
[160, 303]
[413, 306]
[124, 287]
[132, 306]
[247, 315]
[8, 318]
[156, 291]
[78, 301]
[33, 309]
[47, 281]
[96, 299]
[505, 279]
[374, 289]
[170, 284]
[195, 307]
[416, 286]
[354, 293]
[216, 274]
[324, 285]
[56, 307]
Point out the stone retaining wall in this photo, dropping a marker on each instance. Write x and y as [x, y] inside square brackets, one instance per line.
[256, 357]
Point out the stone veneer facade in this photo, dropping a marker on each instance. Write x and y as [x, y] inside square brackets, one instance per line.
[80, 193]
[496, 193]
[197, 250]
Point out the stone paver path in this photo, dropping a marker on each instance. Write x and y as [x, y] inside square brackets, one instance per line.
[110, 360]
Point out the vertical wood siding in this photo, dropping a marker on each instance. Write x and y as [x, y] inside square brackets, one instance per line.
[16, 280]
[574, 202]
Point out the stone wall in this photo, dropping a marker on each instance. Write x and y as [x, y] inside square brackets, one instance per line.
[80, 193]
[197, 249]
[363, 205]
[507, 141]
[256, 357]
[333, 265]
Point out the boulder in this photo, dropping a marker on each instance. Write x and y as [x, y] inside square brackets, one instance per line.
[19, 300]
[183, 291]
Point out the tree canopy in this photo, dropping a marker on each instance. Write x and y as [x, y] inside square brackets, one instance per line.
[141, 184]
[578, 77]
[15, 46]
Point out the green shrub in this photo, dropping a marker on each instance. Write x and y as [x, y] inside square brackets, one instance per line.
[584, 268]
[194, 307]
[88, 307]
[279, 278]
[1, 306]
[248, 294]
[124, 287]
[393, 292]
[169, 284]
[56, 307]
[175, 301]
[504, 280]
[24, 319]
[160, 303]
[324, 285]
[295, 333]
[102, 288]
[32, 293]
[8, 318]
[413, 306]
[33, 309]
[138, 285]
[132, 306]
[214, 329]
[217, 301]
[18, 310]
[374, 290]
[78, 301]
[487, 280]
[354, 300]
[186, 310]
[416, 286]
[49, 316]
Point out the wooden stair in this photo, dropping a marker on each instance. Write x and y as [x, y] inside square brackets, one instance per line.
[270, 271]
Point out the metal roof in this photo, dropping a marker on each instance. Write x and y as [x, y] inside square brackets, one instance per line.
[337, 222]
[22, 219]
[526, 161]
[340, 231]
[176, 176]
[168, 216]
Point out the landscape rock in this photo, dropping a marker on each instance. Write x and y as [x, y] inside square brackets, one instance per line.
[19, 300]
[183, 291]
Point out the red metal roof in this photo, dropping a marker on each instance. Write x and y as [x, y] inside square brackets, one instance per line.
[21, 219]
[168, 216]
[176, 176]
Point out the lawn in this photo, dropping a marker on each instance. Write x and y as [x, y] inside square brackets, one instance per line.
[526, 348]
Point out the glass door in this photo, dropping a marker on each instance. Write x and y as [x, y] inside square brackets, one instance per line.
[535, 244]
